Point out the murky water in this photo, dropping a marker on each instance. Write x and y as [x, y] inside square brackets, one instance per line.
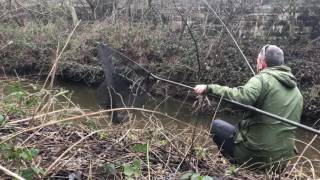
[85, 97]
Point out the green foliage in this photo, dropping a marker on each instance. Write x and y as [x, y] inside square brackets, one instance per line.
[186, 175]
[163, 142]
[21, 157]
[139, 148]
[2, 120]
[31, 172]
[195, 176]
[28, 155]
[21, 99]
[132, 170]
[7, 152]
[13, 87]
[18, 100]
[10, 153]
[93, 126]
[200, 152]
[103, 135]
[231, 170]
[109, 168]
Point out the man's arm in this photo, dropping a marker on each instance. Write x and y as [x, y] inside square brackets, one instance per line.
[247, 94]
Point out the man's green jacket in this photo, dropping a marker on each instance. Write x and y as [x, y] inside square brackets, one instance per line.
[262, 139]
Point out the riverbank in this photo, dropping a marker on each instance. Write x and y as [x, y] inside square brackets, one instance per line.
[44, 135]
[40, 141]
[35, 47]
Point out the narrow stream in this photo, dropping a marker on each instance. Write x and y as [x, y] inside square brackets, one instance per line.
[85, 97]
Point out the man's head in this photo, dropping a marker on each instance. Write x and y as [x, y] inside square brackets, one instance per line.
[269, 56]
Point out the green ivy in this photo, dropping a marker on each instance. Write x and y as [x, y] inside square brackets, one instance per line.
[21, 157]
[139, 148]
[109, 168]
[29, 173]
[133, 170]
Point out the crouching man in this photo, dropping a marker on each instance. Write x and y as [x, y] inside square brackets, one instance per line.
[260, 139]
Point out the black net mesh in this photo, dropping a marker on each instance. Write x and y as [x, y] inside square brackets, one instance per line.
[128, 87]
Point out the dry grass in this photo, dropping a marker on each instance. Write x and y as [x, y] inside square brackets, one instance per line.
[76, 142]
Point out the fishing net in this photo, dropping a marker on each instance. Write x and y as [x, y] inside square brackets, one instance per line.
[127, 86]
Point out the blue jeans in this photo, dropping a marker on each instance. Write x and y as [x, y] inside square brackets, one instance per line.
[223, 134]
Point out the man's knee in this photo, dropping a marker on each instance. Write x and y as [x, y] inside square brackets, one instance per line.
[217, 122]
[217, 125]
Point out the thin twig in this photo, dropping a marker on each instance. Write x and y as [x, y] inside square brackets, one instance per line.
[215, 113]
[78, 142]
[4, 72]
[3, 47]
[186, 154]
[305, 143]
[232, 37]
[10, 173]
[148, 160]
[196, 122]
[191, 35]
[81, 116]
[302, 154]
[12, 122]
[53, 69]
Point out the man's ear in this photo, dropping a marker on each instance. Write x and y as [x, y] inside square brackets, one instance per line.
[261, 64]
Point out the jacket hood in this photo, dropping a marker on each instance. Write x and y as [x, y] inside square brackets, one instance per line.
[283, 75]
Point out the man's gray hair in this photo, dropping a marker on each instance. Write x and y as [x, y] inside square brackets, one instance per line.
[273, 55]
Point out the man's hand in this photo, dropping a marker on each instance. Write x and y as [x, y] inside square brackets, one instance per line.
[200, 89]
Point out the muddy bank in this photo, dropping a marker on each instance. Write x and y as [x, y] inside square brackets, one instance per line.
[159, 50]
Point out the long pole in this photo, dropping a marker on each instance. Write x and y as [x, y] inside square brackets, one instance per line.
[282, 119]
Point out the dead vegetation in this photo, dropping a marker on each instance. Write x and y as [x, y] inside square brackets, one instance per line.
[61, 140]
[43, 134]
